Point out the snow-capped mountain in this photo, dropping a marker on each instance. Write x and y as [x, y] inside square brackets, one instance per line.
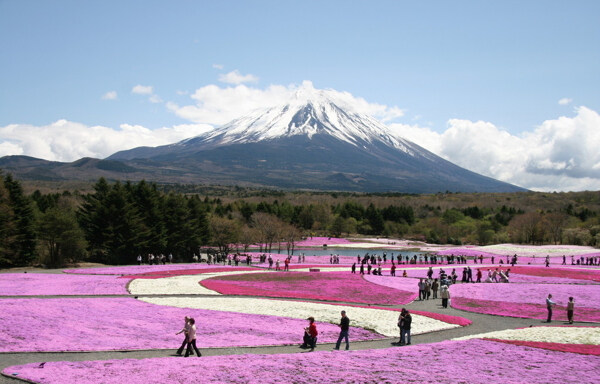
[308, 112]
[316, 139]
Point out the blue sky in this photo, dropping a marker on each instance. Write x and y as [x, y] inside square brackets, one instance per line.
[506, 64]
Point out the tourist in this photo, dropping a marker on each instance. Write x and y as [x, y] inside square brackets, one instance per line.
[401, 326]
[570, 309]
[362, 268]
[547, 260]
[405, 330]
[393, 269]
[354, 268]
[344, 327]
[430, 272]
[479, 275]
[277, 265]
[286, 264]
[185, 331]
[434, 288]
[427, 288]
[404, 274]
[445, 295]
[421, 285]
[312, 332]
[139, 259]
[192, 339]
[549, 305]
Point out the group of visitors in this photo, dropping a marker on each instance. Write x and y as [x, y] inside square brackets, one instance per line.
[311, 333]
[155, 260]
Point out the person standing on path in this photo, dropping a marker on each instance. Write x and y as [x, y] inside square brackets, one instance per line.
[549, 305]
[407, 320]
[421, 285]
[445, 295]
[344, 327]
[570, 309]
[192, 339]
[434, 288]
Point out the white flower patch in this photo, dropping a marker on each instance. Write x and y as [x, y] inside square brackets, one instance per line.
[178, 285]
[381, 321]
[563, 335]
[538, 250]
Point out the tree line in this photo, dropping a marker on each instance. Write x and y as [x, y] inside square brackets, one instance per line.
[114, 222]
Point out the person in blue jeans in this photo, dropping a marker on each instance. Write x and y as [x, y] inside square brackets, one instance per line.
[405, 328]
[344, 327]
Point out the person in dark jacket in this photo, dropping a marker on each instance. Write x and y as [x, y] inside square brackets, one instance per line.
[406, 321]
[344, 327]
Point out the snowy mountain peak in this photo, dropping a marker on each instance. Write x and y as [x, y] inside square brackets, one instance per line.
[308, 111]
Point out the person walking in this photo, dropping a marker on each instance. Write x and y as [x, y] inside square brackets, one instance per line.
[192, 339]
[185, 331]
[549, 305]
[570, 309]
[344, 327]
[445, 295]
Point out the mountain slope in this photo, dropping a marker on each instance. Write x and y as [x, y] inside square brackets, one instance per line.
[314, 140]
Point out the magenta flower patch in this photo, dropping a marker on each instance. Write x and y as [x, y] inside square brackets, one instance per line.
[332, 286]
[583, 349]
[97, 324]
[471, 361]
[33, 284]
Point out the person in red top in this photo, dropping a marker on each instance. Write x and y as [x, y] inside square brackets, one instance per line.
[312, 332]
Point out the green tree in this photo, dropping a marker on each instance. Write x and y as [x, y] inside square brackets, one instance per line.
[23, 235]
[61, 237]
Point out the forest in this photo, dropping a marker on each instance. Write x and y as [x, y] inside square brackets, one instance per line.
[114, 222]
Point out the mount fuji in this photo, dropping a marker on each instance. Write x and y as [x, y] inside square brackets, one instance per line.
[315, 140]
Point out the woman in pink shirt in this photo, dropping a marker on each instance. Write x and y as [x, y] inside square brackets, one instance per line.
[192, 339]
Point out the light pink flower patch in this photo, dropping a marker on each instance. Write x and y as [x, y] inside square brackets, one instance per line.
[583, 349]
[471, 361]
[569, 273]
[333, 286]
[33, 284]
[97, 324]
[180, 272]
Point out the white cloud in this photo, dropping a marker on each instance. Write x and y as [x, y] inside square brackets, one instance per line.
[219, 105]
[235, 77]
[560, 154]
[142, 89]
[215, 105]
[68, 141]
[565, 101]
[218, 66]
[111, 95]
[155, 99]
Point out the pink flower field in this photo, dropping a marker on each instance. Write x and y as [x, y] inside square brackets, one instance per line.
[527, 300]
[138, 269]
[180, 272]
[470, 361]
[332, 286]
[32, 284]
[583, 349]
[97, 324]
